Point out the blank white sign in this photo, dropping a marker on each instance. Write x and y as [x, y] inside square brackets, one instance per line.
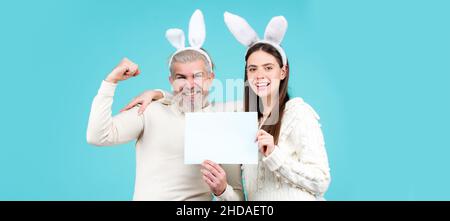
[222, 137]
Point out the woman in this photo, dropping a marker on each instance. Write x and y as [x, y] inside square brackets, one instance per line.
[293, 163]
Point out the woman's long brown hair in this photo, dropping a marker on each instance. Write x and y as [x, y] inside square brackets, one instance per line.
[273, 129]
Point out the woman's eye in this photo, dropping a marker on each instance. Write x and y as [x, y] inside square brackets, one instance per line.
[269, 68]
[252, 69]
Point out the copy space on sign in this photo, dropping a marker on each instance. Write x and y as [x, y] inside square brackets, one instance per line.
[222, 137]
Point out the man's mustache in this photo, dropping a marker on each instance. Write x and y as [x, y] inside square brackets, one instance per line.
[188, 91]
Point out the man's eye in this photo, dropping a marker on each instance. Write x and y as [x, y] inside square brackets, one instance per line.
[180, 77]
[252, 69]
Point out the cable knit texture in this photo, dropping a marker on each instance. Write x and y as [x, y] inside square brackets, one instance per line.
[298, 167]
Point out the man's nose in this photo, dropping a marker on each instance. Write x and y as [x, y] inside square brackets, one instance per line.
[191, 82]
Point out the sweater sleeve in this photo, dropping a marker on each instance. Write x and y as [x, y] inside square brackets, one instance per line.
[105, 130]
[233, 191]
[307, 166]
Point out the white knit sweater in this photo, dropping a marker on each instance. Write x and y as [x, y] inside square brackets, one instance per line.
[298, 167]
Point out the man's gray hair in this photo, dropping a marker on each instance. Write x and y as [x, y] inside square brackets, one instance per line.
[190, 56]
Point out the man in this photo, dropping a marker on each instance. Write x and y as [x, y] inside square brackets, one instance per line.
[159, 131]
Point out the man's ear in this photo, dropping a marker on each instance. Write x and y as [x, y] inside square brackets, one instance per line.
[171, 79]
[283, 72]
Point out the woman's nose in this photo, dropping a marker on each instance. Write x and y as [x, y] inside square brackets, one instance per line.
[260, 75]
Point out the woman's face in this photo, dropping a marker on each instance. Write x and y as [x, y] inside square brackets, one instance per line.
[264, 73]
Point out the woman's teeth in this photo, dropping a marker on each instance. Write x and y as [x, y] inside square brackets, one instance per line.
[262, 85]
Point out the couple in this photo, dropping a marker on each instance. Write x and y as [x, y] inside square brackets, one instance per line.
[293, 162]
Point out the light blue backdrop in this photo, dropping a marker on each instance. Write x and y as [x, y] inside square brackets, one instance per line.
[377, 72]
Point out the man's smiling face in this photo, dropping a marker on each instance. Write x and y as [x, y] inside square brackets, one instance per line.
[191, 82]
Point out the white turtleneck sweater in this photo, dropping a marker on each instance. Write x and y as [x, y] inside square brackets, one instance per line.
[159, 134]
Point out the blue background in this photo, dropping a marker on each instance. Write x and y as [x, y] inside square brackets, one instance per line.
[377, 72]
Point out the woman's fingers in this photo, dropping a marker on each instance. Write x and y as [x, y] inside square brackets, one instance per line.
[264, 137]
[266, 145]
[261, 133]
[143, 107]
[133, 103]
[144, 99]
[258, 134]
[264, 142]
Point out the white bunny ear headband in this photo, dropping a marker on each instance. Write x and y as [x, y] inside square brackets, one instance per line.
[197, 35]
[245, 34]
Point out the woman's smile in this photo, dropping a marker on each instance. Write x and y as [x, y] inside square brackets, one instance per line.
[262, 85]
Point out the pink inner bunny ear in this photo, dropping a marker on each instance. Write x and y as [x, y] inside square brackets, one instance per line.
[276, 29]
[241, 30]
[197, 32]
[176, 38]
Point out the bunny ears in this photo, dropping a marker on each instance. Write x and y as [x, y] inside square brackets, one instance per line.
[245, 34]
[197, 35]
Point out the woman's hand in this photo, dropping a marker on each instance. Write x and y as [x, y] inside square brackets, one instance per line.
[265, 142]
[144, 100]
[214, 176]
[124, 70]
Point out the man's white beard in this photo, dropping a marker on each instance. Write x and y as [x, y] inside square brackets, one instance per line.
[184, 102]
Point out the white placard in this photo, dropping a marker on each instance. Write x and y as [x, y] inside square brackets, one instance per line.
[222, 137]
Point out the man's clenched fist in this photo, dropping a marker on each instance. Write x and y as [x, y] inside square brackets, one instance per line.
[124, 70]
